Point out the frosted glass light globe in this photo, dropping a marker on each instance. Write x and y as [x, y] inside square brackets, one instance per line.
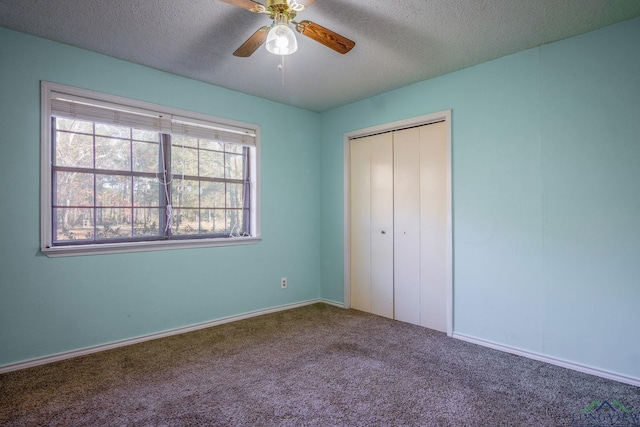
[281, 40]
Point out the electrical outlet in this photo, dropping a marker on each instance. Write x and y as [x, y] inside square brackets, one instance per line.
[283, 282]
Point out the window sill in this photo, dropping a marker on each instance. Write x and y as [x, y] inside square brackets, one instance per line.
[119, 248]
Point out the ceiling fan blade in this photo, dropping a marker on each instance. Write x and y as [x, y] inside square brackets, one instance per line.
[252, 43]
[251, 5]
[325, 36]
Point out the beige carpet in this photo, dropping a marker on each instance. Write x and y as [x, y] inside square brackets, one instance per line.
[312, 366]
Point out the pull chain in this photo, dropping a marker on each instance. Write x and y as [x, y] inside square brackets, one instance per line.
[281, 67]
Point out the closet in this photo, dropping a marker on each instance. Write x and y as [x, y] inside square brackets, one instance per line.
[399, 209]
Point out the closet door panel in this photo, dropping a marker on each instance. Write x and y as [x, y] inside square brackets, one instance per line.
[382, 225]
[360, 208]
[433, 226]
[407, 225]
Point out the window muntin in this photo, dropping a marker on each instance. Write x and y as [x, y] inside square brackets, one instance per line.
[122, 175]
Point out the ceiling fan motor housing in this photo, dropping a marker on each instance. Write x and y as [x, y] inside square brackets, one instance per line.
[274, 7]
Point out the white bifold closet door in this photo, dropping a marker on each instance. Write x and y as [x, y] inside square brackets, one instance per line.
[399, 225]
[420, 226]
[406, 224]
[372, 224]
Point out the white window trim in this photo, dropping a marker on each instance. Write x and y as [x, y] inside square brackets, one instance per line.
[47, 88]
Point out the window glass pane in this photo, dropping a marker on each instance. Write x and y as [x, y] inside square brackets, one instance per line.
[209, 144]
[184, 141]
[113, 131]
[145, 135]
[113, 223]
[185, 193]
[72, 125]
[146, 157]
[113, 154]
[234, 195]
[113, 190]
[219, 224]
[212, 194]
[234, 221]
[72, 224]
[233, 166]
[146, 192]
[185, 222]
[146, 222]
[73, 189]
[184, 161]
[207, 221]
[211, 164]
[233, 148]
[74, 150]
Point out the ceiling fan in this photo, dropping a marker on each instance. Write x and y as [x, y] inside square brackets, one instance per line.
[279, 37]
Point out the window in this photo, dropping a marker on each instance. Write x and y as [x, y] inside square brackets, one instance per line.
[121, 175]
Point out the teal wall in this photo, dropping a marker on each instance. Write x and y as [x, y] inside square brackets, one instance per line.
[546, 194]
[51, 305]
[546, 147]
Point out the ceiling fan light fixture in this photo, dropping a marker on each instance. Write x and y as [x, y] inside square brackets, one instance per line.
[281, 40]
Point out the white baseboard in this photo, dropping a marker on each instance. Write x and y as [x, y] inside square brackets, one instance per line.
[88, 350]
[333, 303]
[485, 343]
[551, 360]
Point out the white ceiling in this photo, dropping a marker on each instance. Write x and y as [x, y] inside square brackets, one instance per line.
[398, 42]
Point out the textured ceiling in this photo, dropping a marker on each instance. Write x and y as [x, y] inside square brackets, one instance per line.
[398, 42]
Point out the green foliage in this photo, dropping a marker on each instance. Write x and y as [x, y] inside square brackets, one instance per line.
[108, 232]
[67, 233]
